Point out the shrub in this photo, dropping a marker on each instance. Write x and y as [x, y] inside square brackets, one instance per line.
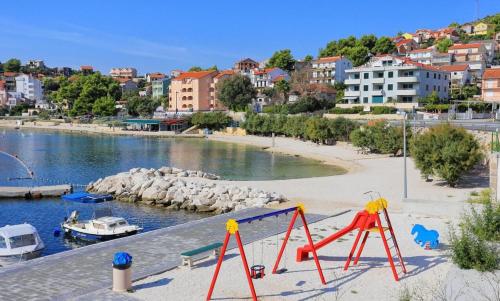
[379, 137]
[475, 245]
[353, 110]
[445, 151]
[212, 120]
[383, 110]
[44, 115]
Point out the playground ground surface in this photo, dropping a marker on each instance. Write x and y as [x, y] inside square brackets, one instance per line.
[431, 275]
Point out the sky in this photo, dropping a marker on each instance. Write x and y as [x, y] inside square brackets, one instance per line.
[157, 35]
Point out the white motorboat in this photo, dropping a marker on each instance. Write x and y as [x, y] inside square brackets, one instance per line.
[98, 228]
[19, 242]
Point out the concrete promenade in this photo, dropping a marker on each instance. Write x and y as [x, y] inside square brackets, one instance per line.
[35, 192]
[85, 271]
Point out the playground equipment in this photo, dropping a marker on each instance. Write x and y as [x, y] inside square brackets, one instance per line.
[257, 271]
[429, 239]
[367, 221]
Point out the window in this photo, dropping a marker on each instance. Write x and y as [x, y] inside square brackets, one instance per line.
[391, 74]
[3, 244]
[190, 89]
[365, 99]
[356, 88]
[22, 241]
[380, 74]
[439, 76]
[184, 97]
[389, 87]
[444, 89]
[434, 75]
[356, 75]
[446, 77]
[427, 75]
[426, 87]
[433, 88]
[365, 87]
[407, 99]
[366, 76]
[439, 88]
[184, 106]
[183, 89]
[190, 97]
[407, 86]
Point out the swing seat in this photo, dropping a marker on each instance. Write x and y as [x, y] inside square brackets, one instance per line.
[257, 271]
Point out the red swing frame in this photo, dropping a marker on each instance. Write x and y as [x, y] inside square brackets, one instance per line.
[232, 229]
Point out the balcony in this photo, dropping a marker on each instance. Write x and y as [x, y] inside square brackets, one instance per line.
[377, 80]
[348, 93]
[407, 79]
[406, 92]
[352, 81]
[378, 93]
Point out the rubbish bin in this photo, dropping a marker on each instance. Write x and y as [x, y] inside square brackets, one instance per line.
[122, 272]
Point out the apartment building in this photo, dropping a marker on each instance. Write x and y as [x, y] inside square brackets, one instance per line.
[329, 70]
[190, 91]
[473, 54]
[440, 59]
[265, 78]
[459, 75]
[423, 56]
[150, 77]
[245, 66]
[126, 72]
[29, 87]
[159, 87]
[126, 84]
[392, 79]
[215, 104]
[491, 85]
[10, 81]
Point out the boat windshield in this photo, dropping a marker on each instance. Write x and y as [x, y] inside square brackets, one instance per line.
[22, 241]
[3, 245]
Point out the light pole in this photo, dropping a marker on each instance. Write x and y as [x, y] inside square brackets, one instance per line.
[405, 182]
[176, 109]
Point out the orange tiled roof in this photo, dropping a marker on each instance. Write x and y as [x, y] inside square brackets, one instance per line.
[278, 78]
[491, 73]
[465, 46]
[329, 59]
[224, 72]
[157, 75]
[452, 68]
[87, 67]
[194, 74]
[263, 71]
[405, 41]
[8, 73]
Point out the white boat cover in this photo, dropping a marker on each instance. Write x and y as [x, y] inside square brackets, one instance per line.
[17, 230]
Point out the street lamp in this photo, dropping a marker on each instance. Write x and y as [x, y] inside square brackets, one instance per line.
[176, 109]
[405, 181]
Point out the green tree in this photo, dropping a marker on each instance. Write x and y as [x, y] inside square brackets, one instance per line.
[50, 84]
[12, 65]
[211, 120]
[282, 59]
[454, 25]
[236, 92]
[368, 41]
[308, 58]
[445, 151]
[384, 45]
[195, 69]
[104, 106]
[358, 55]
[139, 105]
[282, 86]
[444, 44]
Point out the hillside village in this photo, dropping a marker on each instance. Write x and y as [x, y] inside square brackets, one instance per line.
[408, 71]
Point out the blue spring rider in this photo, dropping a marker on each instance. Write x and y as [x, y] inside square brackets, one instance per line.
[428, 239]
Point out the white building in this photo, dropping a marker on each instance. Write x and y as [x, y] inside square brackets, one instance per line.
[126, 72]
[459, 74]
[29, 87]
[265, 78]
[14, 98]
[423, 56]
[392, 79]
[329, 70]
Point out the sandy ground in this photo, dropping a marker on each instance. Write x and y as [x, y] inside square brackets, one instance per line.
[429, 273]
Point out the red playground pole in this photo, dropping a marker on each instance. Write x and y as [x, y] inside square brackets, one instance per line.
[309, 238]
[219, 263]
[245, 265]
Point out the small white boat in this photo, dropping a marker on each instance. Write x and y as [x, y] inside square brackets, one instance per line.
[19, 242]
[98, 228]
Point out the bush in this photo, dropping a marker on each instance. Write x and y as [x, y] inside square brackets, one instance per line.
[475, 245]
[353, 110]
[315, 129]
[383, 110]
[379, 137]
[44, 115]
[212, 120]
[306, 104]
[446, 151]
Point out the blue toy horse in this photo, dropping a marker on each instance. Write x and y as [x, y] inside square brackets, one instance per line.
[425, 236]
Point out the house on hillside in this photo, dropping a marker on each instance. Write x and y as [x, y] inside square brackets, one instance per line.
[245, 66]
[459, 75]
[423, 56]
[473, 54]
[159, 87]
[150, 77]
[482, 28]
[215, 104]
[329, 70]
[406, 45]
[126, 84]
[86, 70]
[491, 85]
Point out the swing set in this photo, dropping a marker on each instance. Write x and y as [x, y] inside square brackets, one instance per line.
[258, 271]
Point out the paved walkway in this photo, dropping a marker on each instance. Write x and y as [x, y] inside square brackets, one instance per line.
[80, 272]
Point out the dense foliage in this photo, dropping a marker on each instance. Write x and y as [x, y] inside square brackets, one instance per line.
[79, 93]
[443, 45]
[282, 59]
[236, 92]
[19, 109]
[358, 50]
[12, 65]
[307, 104]
[353, 110]
[316, 129]
[445, 151]
[141, 105]
[211, 120]
[379, 137]
[104, 106]
[474, 245]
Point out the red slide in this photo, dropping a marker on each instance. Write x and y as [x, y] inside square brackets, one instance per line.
[357, 222]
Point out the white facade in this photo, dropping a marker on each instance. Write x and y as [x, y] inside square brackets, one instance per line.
[423, 56]
[266, 78]
[29, 87]
[391, 79]
[123, 72]
[329, 70]
[13, 99]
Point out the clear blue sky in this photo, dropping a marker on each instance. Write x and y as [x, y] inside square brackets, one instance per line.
[160, 35]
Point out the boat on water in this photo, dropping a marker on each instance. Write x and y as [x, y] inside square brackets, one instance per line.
[102, 226]
[19, 242]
